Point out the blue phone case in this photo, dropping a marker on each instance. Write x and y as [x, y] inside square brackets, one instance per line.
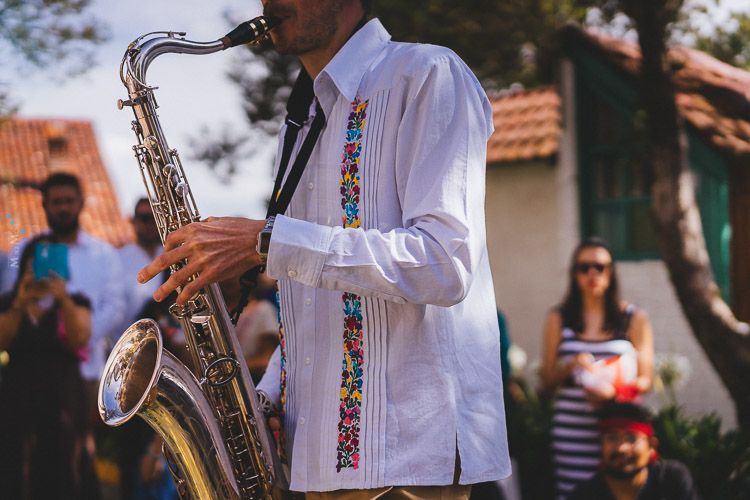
[51, 257]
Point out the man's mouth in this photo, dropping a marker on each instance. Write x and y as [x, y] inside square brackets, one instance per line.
[619, 460]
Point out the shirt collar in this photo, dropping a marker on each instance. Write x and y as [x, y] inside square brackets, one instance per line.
[348, 66]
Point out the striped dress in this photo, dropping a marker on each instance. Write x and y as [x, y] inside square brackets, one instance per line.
[575, 428]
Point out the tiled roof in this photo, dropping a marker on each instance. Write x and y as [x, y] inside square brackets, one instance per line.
[714, 97]
[30, 150]
[527, 125]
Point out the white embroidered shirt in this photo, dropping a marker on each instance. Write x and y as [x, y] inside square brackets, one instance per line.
[390, 360]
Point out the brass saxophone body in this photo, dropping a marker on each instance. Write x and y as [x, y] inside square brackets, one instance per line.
[210, 418]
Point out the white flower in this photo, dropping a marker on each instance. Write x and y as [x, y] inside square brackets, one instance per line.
[673, 369]
[517, 359]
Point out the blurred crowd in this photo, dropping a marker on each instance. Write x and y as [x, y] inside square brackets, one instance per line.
[66, 297]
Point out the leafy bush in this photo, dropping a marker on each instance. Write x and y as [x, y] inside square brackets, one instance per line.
[720, 463]
[529, 419]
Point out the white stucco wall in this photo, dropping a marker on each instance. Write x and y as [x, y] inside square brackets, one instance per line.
[529, 252]
[647, 284]
[533, 227]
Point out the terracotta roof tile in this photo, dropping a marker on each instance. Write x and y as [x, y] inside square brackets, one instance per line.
[527, 125]
[30, 150]
[712, 96]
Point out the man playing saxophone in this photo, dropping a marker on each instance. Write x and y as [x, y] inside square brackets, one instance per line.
[388, 370]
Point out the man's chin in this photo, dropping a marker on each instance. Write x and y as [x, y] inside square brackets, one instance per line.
[622, 472]
[64, 228]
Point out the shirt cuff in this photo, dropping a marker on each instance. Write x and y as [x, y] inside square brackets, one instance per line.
[298, 250]
[270, 381]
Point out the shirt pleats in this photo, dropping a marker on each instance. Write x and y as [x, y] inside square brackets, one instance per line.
[415, 269]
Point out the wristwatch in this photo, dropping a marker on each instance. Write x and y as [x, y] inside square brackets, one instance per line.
[264, 239]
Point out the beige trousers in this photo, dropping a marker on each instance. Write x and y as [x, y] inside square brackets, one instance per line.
[454, 491]
[451, 492]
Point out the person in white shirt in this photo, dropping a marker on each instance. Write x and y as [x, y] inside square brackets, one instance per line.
[133, 257]
[4, 265]
[91, 264]
[388, 370]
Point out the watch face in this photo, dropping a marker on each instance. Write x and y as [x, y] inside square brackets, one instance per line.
[264, 242]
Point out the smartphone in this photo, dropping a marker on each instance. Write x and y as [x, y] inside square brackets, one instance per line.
[51, 257]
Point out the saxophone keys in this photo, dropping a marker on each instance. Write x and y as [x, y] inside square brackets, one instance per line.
[216, 376]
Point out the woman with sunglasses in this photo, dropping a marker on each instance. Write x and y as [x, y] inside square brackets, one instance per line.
[597, 348]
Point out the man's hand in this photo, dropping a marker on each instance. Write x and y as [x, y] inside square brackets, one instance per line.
[215, 249]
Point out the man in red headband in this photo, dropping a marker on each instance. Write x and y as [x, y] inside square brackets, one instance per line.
[630, 467]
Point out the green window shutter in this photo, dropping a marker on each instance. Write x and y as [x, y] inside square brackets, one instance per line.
[614, 178]
[712, 194]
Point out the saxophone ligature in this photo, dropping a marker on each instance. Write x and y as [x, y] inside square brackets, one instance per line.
[215, 434]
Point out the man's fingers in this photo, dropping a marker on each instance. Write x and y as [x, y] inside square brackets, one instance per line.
[191, 289]
[175, 280]
[160, 263]
[176, 238]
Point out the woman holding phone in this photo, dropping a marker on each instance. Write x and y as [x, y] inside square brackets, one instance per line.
[43, 421]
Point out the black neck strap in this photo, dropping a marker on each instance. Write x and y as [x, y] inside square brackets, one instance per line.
[298, 109]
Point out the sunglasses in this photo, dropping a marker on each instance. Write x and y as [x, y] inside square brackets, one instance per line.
[585, 267]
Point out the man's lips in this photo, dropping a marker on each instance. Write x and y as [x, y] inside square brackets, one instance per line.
[621, 460]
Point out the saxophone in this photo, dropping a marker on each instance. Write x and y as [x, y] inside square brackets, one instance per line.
[215, 436]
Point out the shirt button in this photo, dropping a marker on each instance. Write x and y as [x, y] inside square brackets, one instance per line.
[310, 186]
[308, 302]
[302, 421]
[292, 273]
[307, 361]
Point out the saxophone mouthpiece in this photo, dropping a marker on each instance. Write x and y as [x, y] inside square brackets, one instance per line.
[250, 32]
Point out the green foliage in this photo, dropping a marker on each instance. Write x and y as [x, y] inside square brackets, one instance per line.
[44, 33]
[719, 462]
[503, 42]
[729, 45]
[266, 79]
[529, 420]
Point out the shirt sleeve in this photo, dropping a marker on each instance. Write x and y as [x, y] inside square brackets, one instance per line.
[270, 381]
[440, 160]
[10, 274]
[110, 308]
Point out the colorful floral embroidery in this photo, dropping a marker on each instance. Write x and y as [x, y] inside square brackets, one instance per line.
[350, 165]
[282, 382]
[351, 374]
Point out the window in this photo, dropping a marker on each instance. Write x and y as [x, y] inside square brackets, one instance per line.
[615, 180]
[614, 174]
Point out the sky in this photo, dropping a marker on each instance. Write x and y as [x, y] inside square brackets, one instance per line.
[194, 92]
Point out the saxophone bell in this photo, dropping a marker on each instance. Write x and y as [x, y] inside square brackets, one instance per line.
[210, 417]
[142, 378]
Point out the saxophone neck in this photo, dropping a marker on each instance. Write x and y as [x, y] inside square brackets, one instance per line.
[142, 51]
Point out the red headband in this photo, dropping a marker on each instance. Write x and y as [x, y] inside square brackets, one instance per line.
[626, 424]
